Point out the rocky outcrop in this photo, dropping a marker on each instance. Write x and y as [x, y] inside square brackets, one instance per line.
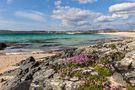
[23, 77]
[54, 73]
[126, 67]
[2, 46]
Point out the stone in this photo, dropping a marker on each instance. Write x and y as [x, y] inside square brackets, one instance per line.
[90, 71]
[49, 73]
[130, 74]
[87, 71]
[132, 81]
[56, 75]
[25, 62]
[126, 67]
[2, 80]
[94, 73]
[69, 85]
[2, 46]
[118, 78]
[66, 78]
[127, 63]
[43, 74]
[24, 76]
[54, 84]
[23, 86]
[74, 79]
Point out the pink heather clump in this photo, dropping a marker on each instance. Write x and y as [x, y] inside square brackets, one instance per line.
[78, 59]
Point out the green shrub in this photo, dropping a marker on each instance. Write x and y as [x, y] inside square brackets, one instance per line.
[117, 56]
[113, 46]
[91, 83]
[91, 87]
[103, 71]
[103, 60]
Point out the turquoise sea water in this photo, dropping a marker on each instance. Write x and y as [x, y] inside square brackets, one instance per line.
[63, 38]
[38, 41]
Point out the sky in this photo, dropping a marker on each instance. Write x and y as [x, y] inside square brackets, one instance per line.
[64, 15]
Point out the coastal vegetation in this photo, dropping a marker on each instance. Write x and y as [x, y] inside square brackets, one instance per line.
[94, 67]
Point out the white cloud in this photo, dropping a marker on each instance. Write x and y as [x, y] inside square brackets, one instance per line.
[119, 11]
[86, 1]
[74, 17]
[32, 15]
[9, 1]
[58, 3]
[104, 18]
[122, 7]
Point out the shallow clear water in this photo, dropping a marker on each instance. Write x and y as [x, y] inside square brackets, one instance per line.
[63, 38]
[51, 40]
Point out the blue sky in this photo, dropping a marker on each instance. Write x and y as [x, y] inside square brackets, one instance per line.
[67, 14]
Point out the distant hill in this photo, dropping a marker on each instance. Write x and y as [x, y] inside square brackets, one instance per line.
[58, 32]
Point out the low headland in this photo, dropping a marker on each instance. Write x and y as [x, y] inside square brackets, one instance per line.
[106, 65]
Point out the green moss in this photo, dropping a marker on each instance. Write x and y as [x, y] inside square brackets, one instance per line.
[117, 56]
[113, 46]
[103, 71]
[72, 65]
[79, 74]
[55, 67]
[91, 87]
[103, 60]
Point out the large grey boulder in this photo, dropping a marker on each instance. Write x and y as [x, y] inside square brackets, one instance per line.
[24, 76]
[127, 63]
[57, 84]
[127, 67]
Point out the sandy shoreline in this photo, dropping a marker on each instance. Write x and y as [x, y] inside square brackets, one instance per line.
[123, 34]
[11, 59]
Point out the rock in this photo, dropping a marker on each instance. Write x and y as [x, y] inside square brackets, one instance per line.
[29, 75]
[74, 79]
[66, 78]
[127, 67]
[54, 84]
[130, 74]
[24, 62]
[69, 85]
[132, 81]
[9, 72]
[2, 46]
[22, 86]
[118, 78]
[68, 53]
[43, 74]
[87, 71]
[127, 63]
[59, 62]
[24, 76]
[57, 76]
[57, 84]
[90, 71]
[27, 68]
[2, 80]
[94, 73]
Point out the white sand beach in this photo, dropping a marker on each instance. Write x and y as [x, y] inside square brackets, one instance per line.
[123, 34]
[6, 61]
